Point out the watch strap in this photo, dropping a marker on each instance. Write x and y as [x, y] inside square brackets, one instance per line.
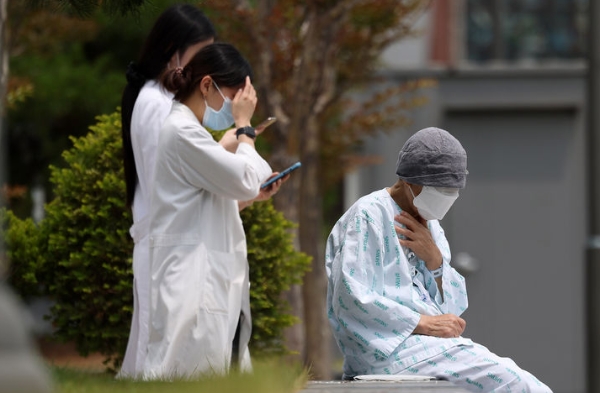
[249, 131]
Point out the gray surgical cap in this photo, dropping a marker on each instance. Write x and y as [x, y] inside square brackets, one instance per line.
[433, 157]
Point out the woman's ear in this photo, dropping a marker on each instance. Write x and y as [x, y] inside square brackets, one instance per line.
[204, 85]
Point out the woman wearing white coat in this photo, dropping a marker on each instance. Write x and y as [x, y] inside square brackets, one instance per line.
[199, 270]
[177, 35]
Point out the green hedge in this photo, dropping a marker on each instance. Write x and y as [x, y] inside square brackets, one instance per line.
[80, 253]
[21, 238]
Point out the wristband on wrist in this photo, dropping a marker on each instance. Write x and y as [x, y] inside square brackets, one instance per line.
[437, 272]
[248, 131]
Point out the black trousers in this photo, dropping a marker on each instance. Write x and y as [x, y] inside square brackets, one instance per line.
[235, 347]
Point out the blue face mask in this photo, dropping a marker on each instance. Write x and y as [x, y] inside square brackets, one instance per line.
[221, 119]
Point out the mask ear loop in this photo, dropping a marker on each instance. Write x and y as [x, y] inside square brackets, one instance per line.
[219, 90]
[411, 191]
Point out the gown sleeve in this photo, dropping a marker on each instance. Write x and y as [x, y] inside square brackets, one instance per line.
[207, 165]
[371, 322]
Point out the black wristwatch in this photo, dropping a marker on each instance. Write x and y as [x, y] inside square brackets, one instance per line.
[249, 131]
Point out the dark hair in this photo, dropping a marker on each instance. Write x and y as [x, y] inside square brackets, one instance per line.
[222, 62]
[175, 30]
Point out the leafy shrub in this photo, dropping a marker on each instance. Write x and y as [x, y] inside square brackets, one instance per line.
[21, 242]
[274, 266]
[84, 252]
[88, 259]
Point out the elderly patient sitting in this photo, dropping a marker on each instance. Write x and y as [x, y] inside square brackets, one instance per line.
[393, 299]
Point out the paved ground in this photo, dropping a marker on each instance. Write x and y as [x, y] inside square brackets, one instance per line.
[381, 387]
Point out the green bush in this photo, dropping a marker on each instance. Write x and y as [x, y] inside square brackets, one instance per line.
[85, 250]
[87, 266]
[22, 246]
[274, 266]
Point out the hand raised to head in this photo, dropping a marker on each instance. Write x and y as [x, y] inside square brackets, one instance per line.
[243, 104]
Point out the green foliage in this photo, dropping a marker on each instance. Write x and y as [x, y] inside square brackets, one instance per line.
[23, 249]
[81, 252]
[87, 7]
[18, 95]
[88, 86]
[64, 70]
[88, 259]
[274, 267]
[63, 102]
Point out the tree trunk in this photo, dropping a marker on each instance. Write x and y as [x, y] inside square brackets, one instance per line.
[286, 201]
[3, 88]
[294, 336]
[314, 80]
[318, 353]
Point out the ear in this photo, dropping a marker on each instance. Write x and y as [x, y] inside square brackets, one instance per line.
[204, 85]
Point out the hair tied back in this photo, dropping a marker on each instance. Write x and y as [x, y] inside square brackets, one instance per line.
[176, 79]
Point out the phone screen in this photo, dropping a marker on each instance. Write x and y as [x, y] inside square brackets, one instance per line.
[282, 174]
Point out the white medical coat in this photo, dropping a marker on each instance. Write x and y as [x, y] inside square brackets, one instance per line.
[152, 106]
[377, 290]
[199, 271]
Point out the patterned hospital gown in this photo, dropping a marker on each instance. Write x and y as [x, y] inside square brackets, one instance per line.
[377, 291]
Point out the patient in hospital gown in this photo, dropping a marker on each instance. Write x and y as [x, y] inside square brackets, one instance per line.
[394, 301]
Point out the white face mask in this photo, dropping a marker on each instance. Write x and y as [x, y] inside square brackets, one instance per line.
[221, 119]
[434, 202]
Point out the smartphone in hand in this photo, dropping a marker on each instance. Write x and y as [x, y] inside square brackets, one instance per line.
[282, 174]
[264, 124]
